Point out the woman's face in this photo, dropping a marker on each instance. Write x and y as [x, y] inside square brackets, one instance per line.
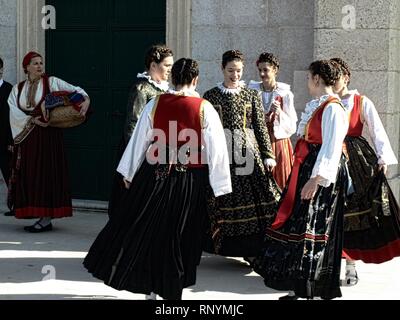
[267, 71]
[233, 72]
[312, 82]
[341, 84]
[162, 70]
[35, 68]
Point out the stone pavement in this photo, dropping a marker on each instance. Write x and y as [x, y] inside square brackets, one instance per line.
[48, 266]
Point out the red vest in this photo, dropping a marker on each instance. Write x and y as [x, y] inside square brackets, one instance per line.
[313, 132]
[180, 113]
[46, 89]
[356, 126]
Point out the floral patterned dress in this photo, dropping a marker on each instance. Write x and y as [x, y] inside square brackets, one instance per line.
[238, 220]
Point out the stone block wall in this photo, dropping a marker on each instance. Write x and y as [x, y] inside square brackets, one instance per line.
[8, 36]
[284, 27]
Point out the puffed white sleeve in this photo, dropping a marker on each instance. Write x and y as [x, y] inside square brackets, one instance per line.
[285, 124]
[18, 119]
[139, 142]
[56, 84]
[335, 125]
[378, 133]
[216, 151]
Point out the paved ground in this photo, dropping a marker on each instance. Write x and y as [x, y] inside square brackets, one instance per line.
[49, 266]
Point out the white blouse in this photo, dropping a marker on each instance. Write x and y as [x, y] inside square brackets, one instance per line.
[335, 124]
[18, 118]
[215, 148]
[371, 119]
[285, 123]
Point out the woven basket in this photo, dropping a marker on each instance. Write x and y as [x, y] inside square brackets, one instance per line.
[65, 117]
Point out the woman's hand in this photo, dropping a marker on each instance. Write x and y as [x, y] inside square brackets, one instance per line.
[276, 107]
[84, 106]
[127, 183]
[45, 112]
[383, 167]
[270, 164]
[309, 189]
[37, 121]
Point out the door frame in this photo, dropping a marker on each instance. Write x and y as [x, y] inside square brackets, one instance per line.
[31, 35]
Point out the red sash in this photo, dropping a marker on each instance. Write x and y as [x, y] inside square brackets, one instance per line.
[313, 135]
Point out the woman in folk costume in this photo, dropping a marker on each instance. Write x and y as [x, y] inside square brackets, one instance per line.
[304, 244]
[6, 140]
[153, 242]
[238, 220]
[372, 215]
[154, 81]
[280, 115]
[39, 185]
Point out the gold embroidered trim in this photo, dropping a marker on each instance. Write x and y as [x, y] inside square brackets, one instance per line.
[267, 216]
[29, 126]
[249, 206]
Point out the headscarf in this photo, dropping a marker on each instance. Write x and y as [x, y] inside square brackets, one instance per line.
[28, 58]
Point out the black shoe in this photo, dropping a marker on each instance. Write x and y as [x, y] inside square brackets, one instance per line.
[289, 297]
[35, 229]
[9, 214]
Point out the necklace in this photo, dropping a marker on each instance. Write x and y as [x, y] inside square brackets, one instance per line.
[30, 92]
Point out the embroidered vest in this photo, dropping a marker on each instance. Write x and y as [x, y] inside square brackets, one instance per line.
[46, 89]
[181, 120]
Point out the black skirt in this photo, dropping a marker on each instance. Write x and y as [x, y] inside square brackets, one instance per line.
[153, 241]
[118, 189]
[372, 215]
[305, 254]
[238, 220]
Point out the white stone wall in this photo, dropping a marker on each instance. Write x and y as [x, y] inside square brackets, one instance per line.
[283, 27]
[8, 36]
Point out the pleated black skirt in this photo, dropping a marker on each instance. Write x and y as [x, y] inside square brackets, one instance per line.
[304, 255]
[118, 189]
[153, 240]
[372, 215]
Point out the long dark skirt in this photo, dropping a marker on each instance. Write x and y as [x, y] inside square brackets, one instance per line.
[118, 190]
[372, 215]
[152, 242]
[238, 220]
[305, 254]
[39, 185]
[5, 164]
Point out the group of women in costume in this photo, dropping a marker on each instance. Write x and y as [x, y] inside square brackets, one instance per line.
[231, 183]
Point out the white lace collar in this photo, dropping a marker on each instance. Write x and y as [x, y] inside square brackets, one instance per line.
[309, 111]
[280, 86]
[237, 90]
[185, 92]
[164, 86]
